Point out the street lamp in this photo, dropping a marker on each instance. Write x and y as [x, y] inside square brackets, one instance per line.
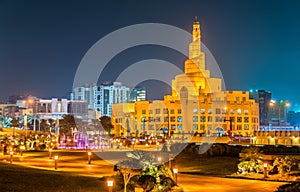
[21, 151]
[159, 159]
[11, 156]
[175, 171]
[55, 161]
[265, 170]
[89, 157]
[144, 125]
[110, 184]
[3, 149]
[171, 161]
[168, 119]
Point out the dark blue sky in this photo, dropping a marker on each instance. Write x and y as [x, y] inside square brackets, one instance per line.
[256, 43]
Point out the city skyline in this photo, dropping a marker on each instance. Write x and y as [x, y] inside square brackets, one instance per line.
[44, 44]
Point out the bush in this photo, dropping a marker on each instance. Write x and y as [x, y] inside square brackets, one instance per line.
[292, 187]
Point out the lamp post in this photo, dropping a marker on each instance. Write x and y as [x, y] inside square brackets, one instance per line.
[11, 156]
[265, 170]
[175, 171]
[89, 157]
[171, 161]
[230, 124]
[110, 184]
[55, 161]
[168, 117]
[21, 151]
[25, 125]
[50, 153]
[3, 145]
[144, 125]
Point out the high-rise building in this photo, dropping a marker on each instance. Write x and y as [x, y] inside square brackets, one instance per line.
[293, 118]
[138, 94]
[107, 94]
[85, 93]
[101, 97]
[197, 104]
[263, 98]
[278, 112]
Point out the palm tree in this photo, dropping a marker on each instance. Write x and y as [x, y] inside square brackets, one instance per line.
[106, 123]
[252, 159]
[251, 154]
[14, 123]
[66, 124]
[50, 124]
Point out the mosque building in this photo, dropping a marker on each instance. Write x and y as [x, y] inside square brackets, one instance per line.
[197, 104]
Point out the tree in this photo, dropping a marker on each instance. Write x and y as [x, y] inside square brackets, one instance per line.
[44, 126]
[251, 160]
[66, 124]
[51, 124]
[251, 154]
[284, 164]
[128, 169]
[163, 177]
[106, 123]
[14, 123]
[147, 182]
[97, 124]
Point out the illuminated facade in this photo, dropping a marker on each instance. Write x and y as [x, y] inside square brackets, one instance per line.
[263, 98]
[278, 112]
[197, 104]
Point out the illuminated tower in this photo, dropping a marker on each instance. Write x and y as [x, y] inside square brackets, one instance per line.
[196, 79]
[195, 46]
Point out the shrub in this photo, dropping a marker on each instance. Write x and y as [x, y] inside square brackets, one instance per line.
[292, 187]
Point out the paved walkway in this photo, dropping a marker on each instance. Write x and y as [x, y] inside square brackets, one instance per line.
[76, 162]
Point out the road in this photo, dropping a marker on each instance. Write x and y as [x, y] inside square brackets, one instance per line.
[76, 162]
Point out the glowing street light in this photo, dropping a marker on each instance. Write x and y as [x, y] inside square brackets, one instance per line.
[55, 161]
[159, 159]
[110, 184]
[175, 171]
[265, 170]
[89, 157]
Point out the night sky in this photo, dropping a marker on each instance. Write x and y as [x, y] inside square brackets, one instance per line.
[256, 43]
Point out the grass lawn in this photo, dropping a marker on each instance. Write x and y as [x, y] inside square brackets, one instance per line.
[17, 178]
[213, 166]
